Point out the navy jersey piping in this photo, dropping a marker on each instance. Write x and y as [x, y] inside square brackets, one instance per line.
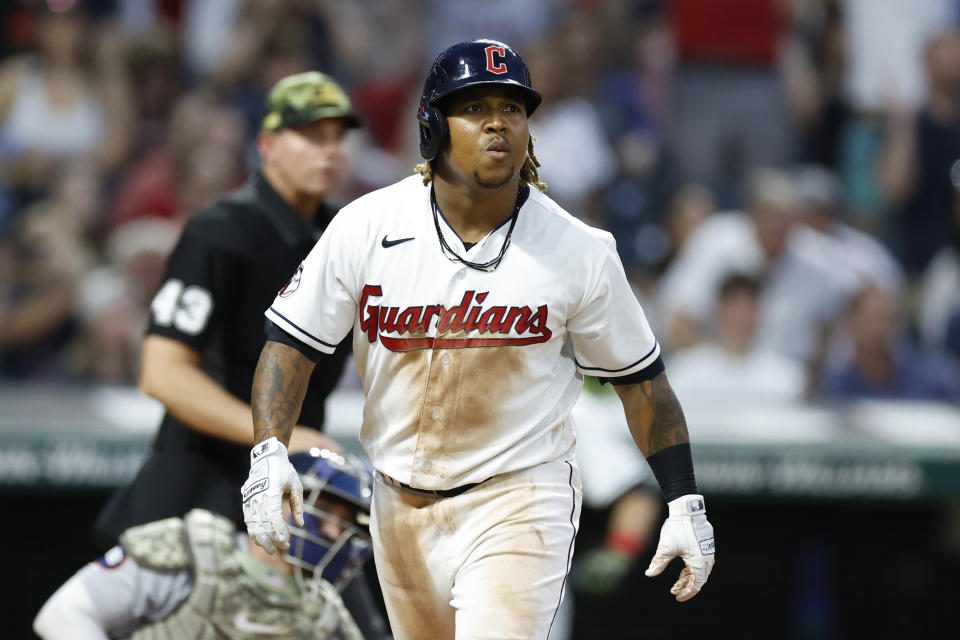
[629, 366]
[298, 328]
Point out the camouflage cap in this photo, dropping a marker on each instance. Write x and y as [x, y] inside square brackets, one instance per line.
[306, 97]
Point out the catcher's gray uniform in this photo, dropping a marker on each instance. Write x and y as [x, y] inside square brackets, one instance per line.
[188, 578]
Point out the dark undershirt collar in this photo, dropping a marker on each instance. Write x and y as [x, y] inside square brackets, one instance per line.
[289, 223]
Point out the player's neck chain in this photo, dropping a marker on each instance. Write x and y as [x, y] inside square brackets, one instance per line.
[490, 265]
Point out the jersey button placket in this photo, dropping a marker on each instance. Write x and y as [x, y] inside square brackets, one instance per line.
[431, 440]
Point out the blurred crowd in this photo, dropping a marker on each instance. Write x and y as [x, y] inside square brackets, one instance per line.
[782, 176]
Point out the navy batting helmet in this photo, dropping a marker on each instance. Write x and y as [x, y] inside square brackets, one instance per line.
[465, 65]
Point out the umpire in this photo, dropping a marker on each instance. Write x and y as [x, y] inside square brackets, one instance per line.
[207, 329]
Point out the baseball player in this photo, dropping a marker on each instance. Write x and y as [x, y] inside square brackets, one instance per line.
[197, 577]
[477, 305]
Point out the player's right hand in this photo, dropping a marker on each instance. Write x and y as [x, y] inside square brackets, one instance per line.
[271, 478]
[686, 533]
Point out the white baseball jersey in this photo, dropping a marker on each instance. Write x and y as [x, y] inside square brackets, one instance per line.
[467, 373]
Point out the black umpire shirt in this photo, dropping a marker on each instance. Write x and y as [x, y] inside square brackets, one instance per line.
[232, 259]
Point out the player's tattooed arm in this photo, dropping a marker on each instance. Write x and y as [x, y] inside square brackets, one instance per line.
[653, 414]
[279, 385]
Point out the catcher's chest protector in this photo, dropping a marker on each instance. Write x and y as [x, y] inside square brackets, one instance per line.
[225, 602]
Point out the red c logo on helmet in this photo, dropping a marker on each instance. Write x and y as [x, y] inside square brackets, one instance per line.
[496, 67]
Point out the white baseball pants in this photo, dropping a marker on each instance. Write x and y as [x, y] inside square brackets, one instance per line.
[488, 564]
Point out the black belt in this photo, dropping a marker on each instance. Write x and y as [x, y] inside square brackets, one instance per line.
[440, 493]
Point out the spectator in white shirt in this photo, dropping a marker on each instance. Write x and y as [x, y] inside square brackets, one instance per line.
[731, 365]
[805, 289]
[818, 198]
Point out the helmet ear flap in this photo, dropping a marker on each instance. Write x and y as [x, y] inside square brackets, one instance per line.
[433, 131]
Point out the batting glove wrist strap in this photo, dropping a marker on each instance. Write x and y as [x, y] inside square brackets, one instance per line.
[686, 533]
[271, 478]
[268, 447]
[688, 505]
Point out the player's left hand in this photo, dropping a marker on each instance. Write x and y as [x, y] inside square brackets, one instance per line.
[688, 534]
[271, 479]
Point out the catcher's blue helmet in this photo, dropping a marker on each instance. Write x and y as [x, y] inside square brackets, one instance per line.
[464, 65]
[333, 477]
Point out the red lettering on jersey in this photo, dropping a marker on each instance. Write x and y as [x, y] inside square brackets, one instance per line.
[468, 316]
[492, 320]
[529, 321]
[496, 67]
[369, 323]
[452, 320]
[473, 320]
[429, 311]
[409, 320]
[391, 323]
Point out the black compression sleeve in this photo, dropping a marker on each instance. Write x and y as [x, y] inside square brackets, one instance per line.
[654, 369]
[673, 468]
[276, 334]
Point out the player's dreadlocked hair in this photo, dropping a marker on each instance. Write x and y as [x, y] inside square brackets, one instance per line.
[528, 172]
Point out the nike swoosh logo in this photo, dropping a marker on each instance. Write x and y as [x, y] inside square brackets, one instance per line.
[242, 623]
[392, 243]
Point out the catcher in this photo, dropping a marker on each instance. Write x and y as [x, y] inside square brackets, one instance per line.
[197, 577]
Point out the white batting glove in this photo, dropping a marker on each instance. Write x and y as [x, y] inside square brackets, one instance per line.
[271, 478]
[686, 533]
